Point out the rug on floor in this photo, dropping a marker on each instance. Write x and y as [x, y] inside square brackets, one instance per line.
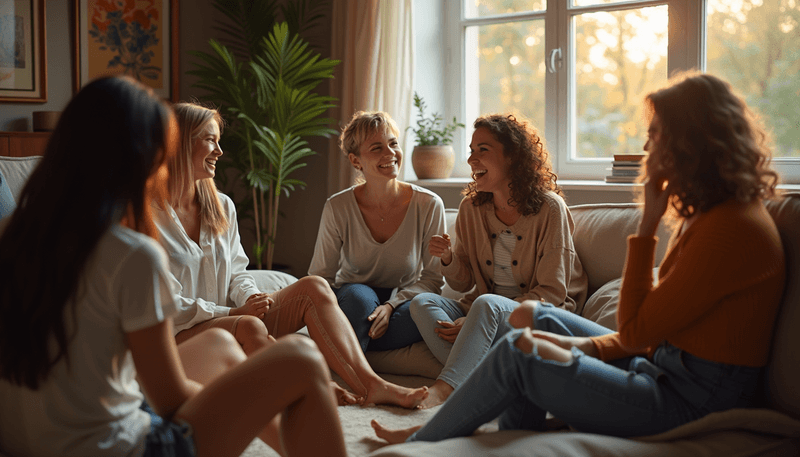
[358, 435]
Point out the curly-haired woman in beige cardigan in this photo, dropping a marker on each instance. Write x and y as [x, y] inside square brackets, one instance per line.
[513, 243]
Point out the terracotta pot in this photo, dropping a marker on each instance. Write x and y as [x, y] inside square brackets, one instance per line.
[433, 162]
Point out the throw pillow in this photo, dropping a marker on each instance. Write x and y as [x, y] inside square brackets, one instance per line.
[7, 203]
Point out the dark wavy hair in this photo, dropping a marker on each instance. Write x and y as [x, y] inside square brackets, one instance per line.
[531, 172]
[713, 147]
[102, 165]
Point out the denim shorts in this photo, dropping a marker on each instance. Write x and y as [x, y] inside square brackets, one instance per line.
[167, 439]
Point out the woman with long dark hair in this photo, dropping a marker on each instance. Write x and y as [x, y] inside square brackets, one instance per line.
[86, 332]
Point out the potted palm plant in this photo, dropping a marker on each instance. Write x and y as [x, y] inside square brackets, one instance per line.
[433, 156]
[264, 83]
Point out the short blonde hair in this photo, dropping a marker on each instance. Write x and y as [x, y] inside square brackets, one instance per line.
[361, 126]
[192, 118]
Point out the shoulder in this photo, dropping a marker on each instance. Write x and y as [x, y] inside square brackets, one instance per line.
[554, 203]
[130, 246]
[426, 196]
[226, 202]
[341, 198]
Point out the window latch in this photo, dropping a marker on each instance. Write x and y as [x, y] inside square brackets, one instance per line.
[554, 61]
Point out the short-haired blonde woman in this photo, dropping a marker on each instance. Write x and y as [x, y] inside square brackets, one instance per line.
[198, 229]
[691, 345]
[372, 245]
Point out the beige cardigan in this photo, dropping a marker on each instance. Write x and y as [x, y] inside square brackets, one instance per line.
[544, 262]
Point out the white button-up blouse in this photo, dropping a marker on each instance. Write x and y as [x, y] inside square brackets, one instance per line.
[206, 273]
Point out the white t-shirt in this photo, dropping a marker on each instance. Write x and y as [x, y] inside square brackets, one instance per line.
[92, 407]
[206, 274]
[346, 252]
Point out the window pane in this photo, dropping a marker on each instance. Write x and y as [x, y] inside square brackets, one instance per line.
[619, 57]
[478, 8]
[755, 45]
[507, 71]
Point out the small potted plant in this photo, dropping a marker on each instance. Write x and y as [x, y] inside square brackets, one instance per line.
[433, 156]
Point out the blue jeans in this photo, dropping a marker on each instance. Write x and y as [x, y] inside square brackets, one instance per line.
[167, 439]
[633, 396]
[486, 323]
[358, 301]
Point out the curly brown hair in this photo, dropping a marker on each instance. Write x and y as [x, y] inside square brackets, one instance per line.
[713, 147]
[531, 172]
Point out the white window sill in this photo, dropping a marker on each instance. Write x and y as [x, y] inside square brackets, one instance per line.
[566, 184]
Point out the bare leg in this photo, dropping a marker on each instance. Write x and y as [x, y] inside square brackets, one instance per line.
[393, 436]
[311, 302]
[210, 354]
[523, 316]
[234, 408]
[249, 331]
[437, 394]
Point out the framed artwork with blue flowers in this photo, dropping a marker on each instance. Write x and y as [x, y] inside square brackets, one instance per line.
[138, 38]
[23, 51]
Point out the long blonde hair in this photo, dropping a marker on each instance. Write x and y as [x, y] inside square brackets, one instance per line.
[192, 118]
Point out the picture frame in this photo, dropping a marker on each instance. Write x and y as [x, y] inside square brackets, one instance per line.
[105, 31]
[23, 51]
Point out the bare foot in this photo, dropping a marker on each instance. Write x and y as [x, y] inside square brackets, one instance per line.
[386, 393]
[437, 394]
[344, 397]
[393, 436]
[523, 316]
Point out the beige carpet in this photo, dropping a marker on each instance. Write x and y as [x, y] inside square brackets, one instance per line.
[358, 434]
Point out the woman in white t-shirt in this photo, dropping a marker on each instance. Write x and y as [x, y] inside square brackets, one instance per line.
[198, 230]
[87, 308]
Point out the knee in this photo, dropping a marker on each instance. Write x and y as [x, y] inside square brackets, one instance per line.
[485, 305]
[319, 290]
[420, 303]
[304, 355]
[357, 298]
[250, 329]
[224, 345]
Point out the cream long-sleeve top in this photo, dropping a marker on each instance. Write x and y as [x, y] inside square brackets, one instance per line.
[544, 262]
[346, 252]
[206, 274]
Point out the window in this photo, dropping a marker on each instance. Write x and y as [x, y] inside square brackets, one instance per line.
[578, 70]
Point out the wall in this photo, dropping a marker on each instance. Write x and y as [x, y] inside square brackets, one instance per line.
[58, 25]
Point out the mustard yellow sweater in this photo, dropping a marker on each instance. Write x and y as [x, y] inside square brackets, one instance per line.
[718, 291]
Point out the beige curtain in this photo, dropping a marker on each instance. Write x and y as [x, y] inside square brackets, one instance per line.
[375, 41]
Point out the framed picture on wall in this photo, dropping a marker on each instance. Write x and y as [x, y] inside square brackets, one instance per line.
[134, 38]
[23, 51]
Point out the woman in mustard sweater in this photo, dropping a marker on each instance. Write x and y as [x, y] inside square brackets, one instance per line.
[693, 344]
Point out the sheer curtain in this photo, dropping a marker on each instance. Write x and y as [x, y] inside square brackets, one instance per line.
[375, 41]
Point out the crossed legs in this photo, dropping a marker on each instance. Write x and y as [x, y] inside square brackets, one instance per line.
[311, 302]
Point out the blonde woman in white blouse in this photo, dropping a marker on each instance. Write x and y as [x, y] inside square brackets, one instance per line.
[198, 229]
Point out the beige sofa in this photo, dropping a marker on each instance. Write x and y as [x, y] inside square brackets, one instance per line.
[771, 430]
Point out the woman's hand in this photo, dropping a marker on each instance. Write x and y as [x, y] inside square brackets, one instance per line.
[256, 305]
[440, 247]
[450, 331]
[656, 198]
[380, 320]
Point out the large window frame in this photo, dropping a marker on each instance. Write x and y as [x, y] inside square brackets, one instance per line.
[686, 50]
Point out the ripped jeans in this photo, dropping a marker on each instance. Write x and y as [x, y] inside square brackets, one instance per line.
[633, 396]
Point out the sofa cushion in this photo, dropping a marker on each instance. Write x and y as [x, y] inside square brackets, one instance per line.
[416, 359]
[783, 370]
[16, 171]
[601, 233]
[7, 203]
[601, 307]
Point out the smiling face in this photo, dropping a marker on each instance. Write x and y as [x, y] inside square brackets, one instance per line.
[206, 151]
[379, 157]
[489, 164]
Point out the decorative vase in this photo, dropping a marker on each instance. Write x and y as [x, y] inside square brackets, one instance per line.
[433, 162]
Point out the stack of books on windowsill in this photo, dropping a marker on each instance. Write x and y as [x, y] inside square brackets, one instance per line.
[625, 168]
